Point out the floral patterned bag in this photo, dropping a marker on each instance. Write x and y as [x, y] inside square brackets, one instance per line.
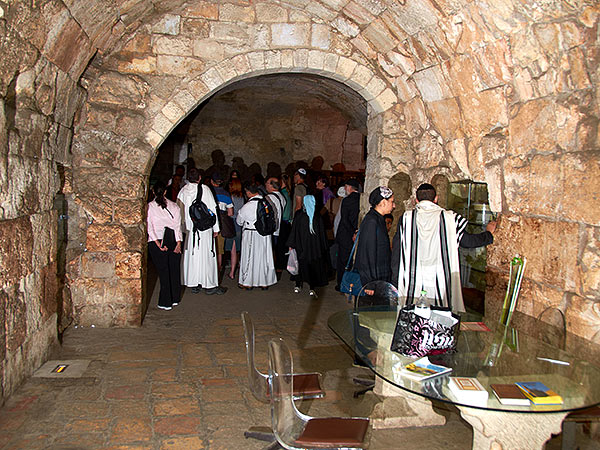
[416, 336]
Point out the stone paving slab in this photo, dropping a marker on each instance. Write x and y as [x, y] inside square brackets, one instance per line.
[180, 381]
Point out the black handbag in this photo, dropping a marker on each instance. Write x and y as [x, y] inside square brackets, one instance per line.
[227, 225]
[351, 283]
[169, 239]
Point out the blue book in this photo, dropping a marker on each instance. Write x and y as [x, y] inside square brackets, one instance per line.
[539, 393]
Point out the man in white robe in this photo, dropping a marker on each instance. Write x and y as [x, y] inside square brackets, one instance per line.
[425, 251]
[257, 268]
[199, 263]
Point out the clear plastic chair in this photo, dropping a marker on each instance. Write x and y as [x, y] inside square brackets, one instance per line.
[306, 385]
[297, 431]
[384, 295]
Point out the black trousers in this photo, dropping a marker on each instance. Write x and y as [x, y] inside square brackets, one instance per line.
[342, 259]
[281, 248]
[168, 266]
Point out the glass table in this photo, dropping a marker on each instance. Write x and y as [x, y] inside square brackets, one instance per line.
[503, 355]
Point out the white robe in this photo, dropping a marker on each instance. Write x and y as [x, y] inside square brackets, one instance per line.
[199, 262]
[257, 267]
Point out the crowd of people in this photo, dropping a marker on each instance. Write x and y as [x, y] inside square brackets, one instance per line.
[321, 227]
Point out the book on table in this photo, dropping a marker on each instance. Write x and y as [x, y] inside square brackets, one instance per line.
[468, 390]
[510, 394]
[474, 326]
[539, 393]
[423, 369]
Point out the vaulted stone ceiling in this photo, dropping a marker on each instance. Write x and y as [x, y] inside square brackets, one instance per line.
[504, 92]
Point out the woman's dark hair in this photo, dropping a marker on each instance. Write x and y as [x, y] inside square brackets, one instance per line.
[323, 179]
[251, 187]
[159, 194]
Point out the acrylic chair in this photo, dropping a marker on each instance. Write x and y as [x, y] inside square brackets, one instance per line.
[297, 431]
[384, 296]
[306, 385]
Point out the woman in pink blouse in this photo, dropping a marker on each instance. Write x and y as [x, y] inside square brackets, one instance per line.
[164, 246]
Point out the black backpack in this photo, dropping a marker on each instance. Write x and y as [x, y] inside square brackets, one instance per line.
[202, 217]
[266, 222]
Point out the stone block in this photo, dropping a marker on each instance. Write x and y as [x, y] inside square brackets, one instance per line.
[49, 294]
[290, 35]
[98, 209]
[358, 14]
[154, 139]
[124, 91]
[582, 315]
[379, 36]
[167, 45]
[135, 65]
[212, 78]
[137, 237]
[169, 24]
[270, 13]
[320, 36]
[314, 8]
[406, 88]
[202, 10]
[345, 27]
[139, 43]
[106, 238]
[533, 128]
[98, 265]
[590, 262]
[230, 12]
[445, 118]
[431, 84]
[316, 60]
[17, 247]
[208, 50]
[331, 62]
[43, 227]
[416, 119]
[484, 112]
[178, 65]
[129, 212]
[581, 172]
[107, 179]
[66, 46]
[128, 264]
[229, 32]
[16, 320]
[535, 239]
[198, 28]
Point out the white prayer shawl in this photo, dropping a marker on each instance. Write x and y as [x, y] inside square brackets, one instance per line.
[257, 267]
[279, 204]
[429, 239]
[199, 262]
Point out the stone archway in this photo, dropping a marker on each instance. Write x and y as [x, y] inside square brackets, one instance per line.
[108, 287]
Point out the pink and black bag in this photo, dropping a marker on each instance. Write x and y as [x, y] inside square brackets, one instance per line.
[416, 336]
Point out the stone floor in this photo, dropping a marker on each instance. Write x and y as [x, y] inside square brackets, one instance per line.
[179, 381]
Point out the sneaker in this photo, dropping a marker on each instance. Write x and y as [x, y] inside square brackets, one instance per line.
[216, 290]
[196, 290]
[296, 290]
[313, 294]
[166, 308]
[175, 304]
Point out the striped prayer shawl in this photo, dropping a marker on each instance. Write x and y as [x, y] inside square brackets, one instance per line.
[429, 239]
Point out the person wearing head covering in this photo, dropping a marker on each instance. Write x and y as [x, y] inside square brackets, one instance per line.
[425, 251]
[373, 251]
[348, 224]
[308, 238]
[300, 189]
[257, 268]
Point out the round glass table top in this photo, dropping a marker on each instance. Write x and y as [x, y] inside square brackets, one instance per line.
[497, 356]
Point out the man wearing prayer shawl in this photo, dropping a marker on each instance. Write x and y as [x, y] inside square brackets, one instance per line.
[373, 255]
[425, 251]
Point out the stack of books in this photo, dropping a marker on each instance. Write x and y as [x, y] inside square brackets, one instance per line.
[468, 390]
[539, 393]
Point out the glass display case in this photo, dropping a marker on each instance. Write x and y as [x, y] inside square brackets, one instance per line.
[470, 200]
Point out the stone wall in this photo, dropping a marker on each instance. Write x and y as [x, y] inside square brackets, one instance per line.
[267, 125]
[39, 97]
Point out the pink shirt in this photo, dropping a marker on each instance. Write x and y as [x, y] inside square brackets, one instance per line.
[159, 218]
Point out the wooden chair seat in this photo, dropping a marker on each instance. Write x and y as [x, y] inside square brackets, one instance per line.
[307, 385]
[334, 432]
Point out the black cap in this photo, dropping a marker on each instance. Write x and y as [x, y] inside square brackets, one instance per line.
[216, 177]
[352, 182]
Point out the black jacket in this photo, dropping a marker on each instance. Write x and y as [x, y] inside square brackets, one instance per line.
[348, 220]
[373, 253]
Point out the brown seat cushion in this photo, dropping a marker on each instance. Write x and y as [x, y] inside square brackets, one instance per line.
[334, 432]
[307, 384]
